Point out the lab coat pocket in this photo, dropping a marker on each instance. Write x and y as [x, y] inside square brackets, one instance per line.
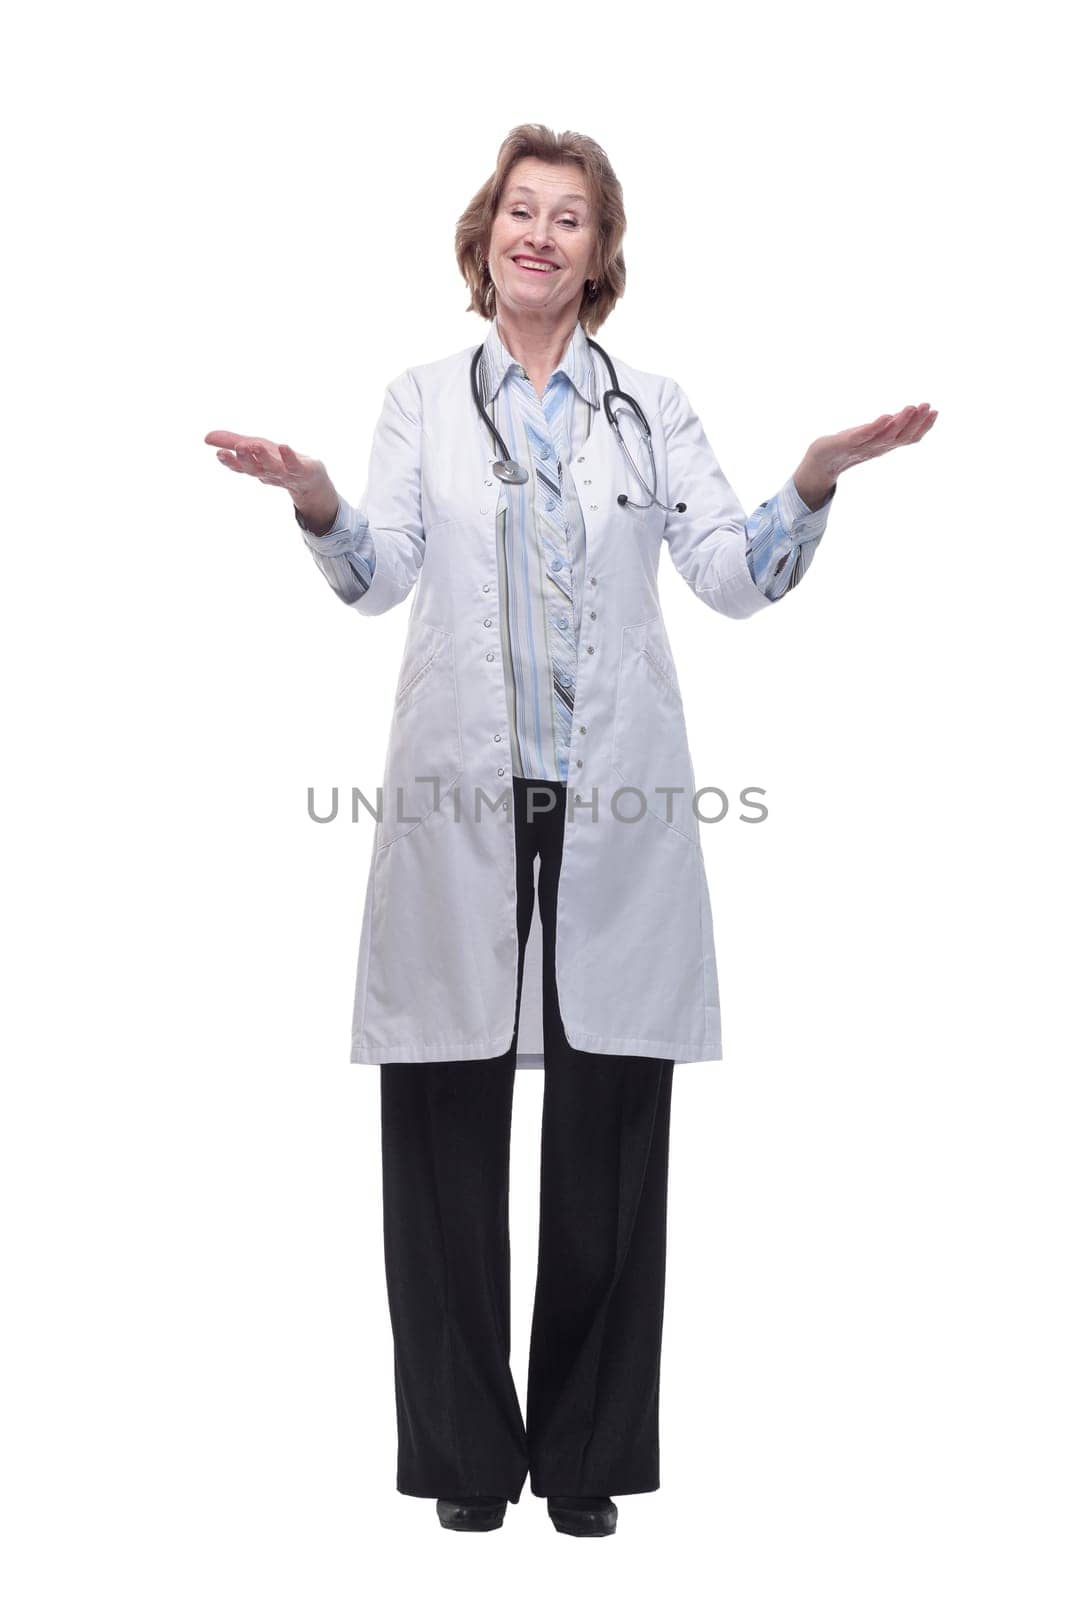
[650, 750]
[425, 755]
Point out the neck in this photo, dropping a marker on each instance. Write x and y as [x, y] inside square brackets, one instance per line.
[538, 344]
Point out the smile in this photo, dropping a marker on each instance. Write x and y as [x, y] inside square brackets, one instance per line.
[528, 264]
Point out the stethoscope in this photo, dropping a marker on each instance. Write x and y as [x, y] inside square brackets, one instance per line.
[511, 471]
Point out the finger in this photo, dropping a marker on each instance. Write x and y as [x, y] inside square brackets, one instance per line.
[927, 424]
[255, 456]
[914, 426]
[908, 425]
[229, 460]
[228, 440]
[869, 432]
[901, 423]
[883, 424]
[293, 465]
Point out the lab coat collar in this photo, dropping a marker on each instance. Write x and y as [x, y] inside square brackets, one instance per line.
[576, 364]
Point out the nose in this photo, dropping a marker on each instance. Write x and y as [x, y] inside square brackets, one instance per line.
[540, 243]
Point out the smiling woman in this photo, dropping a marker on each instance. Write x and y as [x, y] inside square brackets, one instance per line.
[554, 200]
[514, 914]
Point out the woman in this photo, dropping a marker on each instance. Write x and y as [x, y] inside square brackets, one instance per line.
[528, 486]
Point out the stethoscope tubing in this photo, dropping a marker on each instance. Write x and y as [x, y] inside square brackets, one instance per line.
[508, 470]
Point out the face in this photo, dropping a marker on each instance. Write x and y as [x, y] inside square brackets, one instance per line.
[545, 216]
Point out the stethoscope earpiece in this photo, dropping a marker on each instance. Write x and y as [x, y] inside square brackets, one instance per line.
[510, 471]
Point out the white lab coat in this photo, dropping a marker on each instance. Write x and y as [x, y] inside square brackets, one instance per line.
[635, 958]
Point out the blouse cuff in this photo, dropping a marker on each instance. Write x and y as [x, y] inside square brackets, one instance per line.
[792, 510]
[347, 534]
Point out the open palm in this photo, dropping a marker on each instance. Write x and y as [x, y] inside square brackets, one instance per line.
[269, 462]
[835, 452]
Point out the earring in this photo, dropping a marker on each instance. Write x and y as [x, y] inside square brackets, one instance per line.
[593, 287]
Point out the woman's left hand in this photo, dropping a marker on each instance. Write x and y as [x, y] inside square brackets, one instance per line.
[831, 455]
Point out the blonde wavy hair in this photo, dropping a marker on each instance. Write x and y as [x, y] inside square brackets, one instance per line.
[605, 192]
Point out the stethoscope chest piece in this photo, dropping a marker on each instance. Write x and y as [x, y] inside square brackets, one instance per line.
[510, 472]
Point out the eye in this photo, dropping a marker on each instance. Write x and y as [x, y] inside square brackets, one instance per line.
[569, 222]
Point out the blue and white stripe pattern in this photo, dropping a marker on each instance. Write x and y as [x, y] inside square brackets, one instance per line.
[540, 540]
[782, 536]
[540, 536]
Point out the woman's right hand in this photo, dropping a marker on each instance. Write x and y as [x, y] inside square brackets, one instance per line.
[306, 479]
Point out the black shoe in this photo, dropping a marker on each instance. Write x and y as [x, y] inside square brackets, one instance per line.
[590, 1517]
[471, 1513]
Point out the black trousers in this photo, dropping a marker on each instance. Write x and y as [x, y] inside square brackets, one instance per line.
[592, 1400]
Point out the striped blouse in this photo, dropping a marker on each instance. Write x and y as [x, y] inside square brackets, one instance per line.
[540, 542]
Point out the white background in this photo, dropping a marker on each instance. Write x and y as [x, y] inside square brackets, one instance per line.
[242, 217]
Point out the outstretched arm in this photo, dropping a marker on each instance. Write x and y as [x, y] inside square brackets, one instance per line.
[370, 554]
[739, 566]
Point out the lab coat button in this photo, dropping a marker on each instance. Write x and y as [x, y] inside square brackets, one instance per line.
[593, 615]
[500, 772]
[485, 588]
[582, 729]
[490, 656]
[496, 738]
[488, 623]
[589, 649]
[587, 481]
[581, 458]
[592, 508]
[593, 582]
[579, 762]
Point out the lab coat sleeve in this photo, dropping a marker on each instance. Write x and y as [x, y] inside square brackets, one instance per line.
[783, 534]
[709, 541]
[372, 554]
